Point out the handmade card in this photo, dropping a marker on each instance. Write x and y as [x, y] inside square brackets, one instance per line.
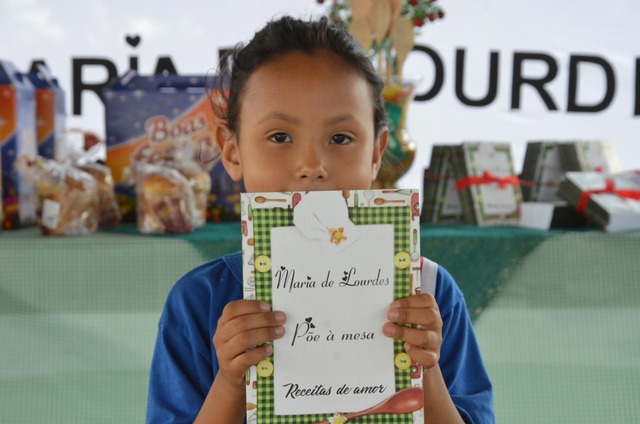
[590, 156]
[489, 189]
[541, 172]
[441, 200]
[333, 261]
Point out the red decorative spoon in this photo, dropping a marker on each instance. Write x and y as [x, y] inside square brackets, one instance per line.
[402, 402]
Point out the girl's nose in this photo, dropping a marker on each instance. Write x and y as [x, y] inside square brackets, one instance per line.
[311, 164]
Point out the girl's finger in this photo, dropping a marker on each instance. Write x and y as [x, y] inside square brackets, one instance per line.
[423, 300]
[255, 337]
[239, 343]
[422, 338]
[425, 317]
[242, 307]
[420, 311]
[252, 321]
[426, 358]
[251, 357]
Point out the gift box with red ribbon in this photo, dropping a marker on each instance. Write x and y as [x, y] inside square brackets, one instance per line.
[441, 201]
[488, 186]
[609, 201]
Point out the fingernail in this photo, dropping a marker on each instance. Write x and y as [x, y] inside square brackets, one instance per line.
[393, 314]
[389, 330]
[394, 304]
[264, 306]
[279, 331]
[269, 349]
[280, 316]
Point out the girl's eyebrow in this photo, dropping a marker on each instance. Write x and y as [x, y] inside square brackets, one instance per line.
[295, 120]
[279, 116]
[340, 118]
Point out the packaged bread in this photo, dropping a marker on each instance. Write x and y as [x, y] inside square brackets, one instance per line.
[200, 182]
[165, 200]
[67, 196]
[178, 155]
[108, 209]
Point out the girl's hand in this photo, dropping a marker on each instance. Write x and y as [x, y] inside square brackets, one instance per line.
[243, 329]
[424, 338]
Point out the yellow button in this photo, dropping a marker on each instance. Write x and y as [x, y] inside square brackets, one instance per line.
[403, 361]
[264, 368]
[402, 260]
[263, 263]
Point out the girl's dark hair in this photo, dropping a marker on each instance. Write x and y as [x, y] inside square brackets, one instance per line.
[286, 35]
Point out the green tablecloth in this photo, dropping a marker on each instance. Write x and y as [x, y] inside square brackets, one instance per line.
[78, 320]
[78, 317]
[562, 339]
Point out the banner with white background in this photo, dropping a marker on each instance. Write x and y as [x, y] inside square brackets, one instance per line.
[491, 70]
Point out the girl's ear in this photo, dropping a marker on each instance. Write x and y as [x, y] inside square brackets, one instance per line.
[229, 153]
[378, 152]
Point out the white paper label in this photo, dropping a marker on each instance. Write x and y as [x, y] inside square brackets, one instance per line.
[319, 297]
[50, 214]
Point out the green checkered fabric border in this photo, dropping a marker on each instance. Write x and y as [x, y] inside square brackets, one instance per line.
[263, 221]
[399, 217]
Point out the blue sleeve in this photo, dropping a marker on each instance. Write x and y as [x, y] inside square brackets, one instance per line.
[184, 360]
[460, 359]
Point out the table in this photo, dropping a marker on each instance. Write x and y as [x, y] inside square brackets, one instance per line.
[78, 315]
[561, 340]
[78, 319]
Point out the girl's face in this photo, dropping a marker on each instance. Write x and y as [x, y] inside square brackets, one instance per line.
[306, 123]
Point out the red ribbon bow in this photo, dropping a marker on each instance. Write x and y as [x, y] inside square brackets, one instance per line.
[486, 178]
[610, 188]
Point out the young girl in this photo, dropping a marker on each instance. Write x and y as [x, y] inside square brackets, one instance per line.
[304, 112]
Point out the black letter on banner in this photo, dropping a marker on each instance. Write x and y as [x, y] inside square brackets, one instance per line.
[493, 80]
[36, 64]
[572, 106]
[165, 66]
[79, 86]
[439, 74]
[538, 84]
[133, 63]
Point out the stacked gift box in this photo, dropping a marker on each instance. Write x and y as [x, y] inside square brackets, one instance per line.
[541, 172]
[544, 165]
[609, 201]
[481, 176]
[563, 184]
[586, 156]
[441, 200]
[488, 187]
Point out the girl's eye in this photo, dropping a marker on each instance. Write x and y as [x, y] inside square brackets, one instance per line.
[341, 139]
[280, 138]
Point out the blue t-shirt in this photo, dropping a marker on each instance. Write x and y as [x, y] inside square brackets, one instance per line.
[185, 362]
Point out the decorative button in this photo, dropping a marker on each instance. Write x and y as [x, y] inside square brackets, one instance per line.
[263, 263]
[402, 260]
[264, 368]
[402, 361]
